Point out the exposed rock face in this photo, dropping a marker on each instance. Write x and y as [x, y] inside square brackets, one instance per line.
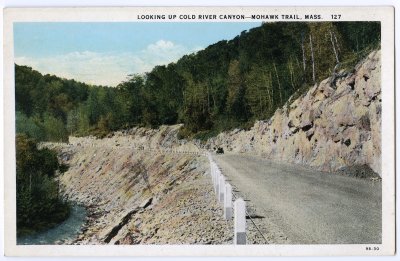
[327, 128]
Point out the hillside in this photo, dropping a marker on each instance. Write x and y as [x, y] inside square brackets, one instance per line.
[328, 127]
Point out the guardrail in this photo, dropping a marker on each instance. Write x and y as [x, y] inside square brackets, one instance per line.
[223, 192]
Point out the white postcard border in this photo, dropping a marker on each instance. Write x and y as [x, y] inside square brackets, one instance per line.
[383, 14]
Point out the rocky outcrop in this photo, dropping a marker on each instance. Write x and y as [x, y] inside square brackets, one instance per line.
[329, 127]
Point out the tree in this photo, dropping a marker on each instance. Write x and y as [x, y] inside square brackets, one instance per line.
[54, 128]
[39, 205]
[72, 121]
[130, 97]
[259, 92]
[312, 59]
[196, 114]
[83, 120]
[236, 103]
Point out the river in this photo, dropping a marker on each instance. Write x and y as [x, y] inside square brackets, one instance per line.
[67, 230]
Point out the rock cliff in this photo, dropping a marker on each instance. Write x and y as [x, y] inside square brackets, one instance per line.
[329, 127]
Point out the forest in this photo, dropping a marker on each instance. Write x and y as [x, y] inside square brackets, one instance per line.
[229, 84]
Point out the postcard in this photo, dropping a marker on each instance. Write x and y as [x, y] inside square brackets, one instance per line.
[199, 131]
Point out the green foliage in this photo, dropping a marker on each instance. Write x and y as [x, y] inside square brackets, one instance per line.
[38, 203]
[236, 102]
[227, 85]
[31, 126]
[358, 36]
[54, 128]
[259, 92]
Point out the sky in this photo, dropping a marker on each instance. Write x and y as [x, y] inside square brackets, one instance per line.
[106, 53]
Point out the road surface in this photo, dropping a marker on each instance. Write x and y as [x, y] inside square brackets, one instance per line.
[309, 207]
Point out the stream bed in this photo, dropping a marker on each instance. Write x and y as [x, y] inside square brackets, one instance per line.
[65, 231]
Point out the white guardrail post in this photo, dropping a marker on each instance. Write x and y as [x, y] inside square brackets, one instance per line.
[221, 189]
[228, 202]
[240, 222]
[213, 173]
[218, 172]
[215, 177]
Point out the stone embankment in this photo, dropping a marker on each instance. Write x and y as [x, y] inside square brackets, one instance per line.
[331, 127]
[136, 194]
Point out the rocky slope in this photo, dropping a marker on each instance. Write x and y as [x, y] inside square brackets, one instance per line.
[137, 195]
[329, 127]
[143, 186]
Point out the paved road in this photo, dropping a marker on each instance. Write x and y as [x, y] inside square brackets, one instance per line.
[309, 207]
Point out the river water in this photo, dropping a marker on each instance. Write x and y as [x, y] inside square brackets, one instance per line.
[67, 230]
